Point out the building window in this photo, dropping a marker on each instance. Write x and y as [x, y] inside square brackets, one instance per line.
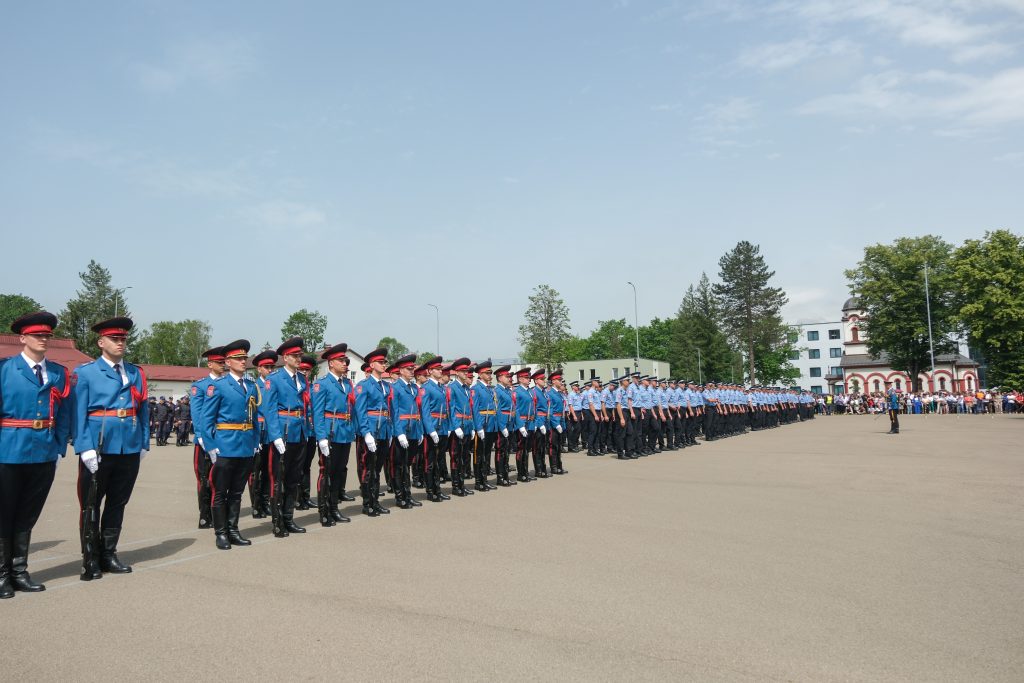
[615, 373]
[835, 353]
[835, 370]
[898, 384]
[794, 355]
[581, 374]
[815, 372]
[835, 334]
[625, 372]
[812, 335]
[878, 385]
[793, 336]
[352, 375]
[814, 354]
[856, 334]
[593, 373]
[970, 383]
[942, 384]
[816, 389]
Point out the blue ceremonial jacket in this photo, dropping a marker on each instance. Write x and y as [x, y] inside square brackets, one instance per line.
[485, 407]
[281, 395]
[372, 395]
[336, 397]
[98, 387]
[504, 408]
[461, 408]
[556, 408]
[523, 407]
[195, 406]
[540, 408]
[406, 417]
[432, 408]
[22, 398]
[226, 403]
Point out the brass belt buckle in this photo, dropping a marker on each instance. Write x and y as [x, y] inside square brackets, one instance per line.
[122, 412]
[38, 424]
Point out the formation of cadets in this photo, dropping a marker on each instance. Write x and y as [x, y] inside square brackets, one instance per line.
[413, 425]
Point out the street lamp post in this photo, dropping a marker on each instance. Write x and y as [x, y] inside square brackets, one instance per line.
[931, 345]
[700, 374]
[636, 326]
[437, 321]
[117, 293]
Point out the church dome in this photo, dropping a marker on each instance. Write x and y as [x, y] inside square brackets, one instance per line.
[852, 304]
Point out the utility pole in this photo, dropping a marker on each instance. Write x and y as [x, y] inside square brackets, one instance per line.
[931, 344]
[636, 327]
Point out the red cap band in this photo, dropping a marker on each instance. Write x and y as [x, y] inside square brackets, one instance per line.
[291, 351]
[114, 332]
[337, 355]
[237, 353]
[264, 362]
[37, 329]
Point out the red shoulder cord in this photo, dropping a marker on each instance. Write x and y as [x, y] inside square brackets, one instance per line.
[140, 397]
[305, 400]
[58, 395]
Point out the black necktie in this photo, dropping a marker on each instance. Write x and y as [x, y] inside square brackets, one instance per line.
[39, 373]
[117, 369]
[241, 383]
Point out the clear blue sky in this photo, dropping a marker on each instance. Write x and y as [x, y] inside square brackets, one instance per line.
[236, 161]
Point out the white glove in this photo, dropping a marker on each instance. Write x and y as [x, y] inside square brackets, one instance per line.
[558, 428]
[370, 443]
[403, 441]
[458, 432]
[543, 430]
[480, 433]
[434, 437]
[91, 460]
[504, 432]
[522, 430]
[213, 455]
[325, 446]
[279, 445]
[142, 454]
[200, 440]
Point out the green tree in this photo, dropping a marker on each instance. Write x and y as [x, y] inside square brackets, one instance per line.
[424, 357]
[310, 325]
[772, 348]
[656, 339]
[751, 309]
[96, 300]
[989, 303]
[697, 327]
[13, 306]
[889, 281]
[610, 339]
[545, 332]
[174, 343]
[396, 349]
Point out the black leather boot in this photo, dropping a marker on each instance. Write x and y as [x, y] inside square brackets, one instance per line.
[90, 554]
[109, 561]
[288, 515]
[17, 560]
[6, 588]
[234, 508]
[220, 527]
[205, 519]
[368, 508]
[277, 517]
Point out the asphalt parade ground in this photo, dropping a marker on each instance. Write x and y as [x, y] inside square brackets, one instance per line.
[815, 552]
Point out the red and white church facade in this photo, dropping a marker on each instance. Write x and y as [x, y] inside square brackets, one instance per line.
[862, 373]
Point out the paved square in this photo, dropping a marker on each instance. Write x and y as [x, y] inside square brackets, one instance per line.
[821, 551]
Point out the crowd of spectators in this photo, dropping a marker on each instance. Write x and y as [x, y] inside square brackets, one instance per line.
[986, 401]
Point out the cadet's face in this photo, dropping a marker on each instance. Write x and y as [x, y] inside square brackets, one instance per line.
[540, 382]
[36, 343]
[216, 367]
[236, 364]
[339, 366]
[378, 366]
[113, 347]
[406, 373]
[435, 374]
[486, 376]
[557, 384]
[505, 380]
[292, 360]
[264, 370]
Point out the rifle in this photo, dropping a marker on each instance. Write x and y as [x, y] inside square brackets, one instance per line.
[90, 515]
[323, 489]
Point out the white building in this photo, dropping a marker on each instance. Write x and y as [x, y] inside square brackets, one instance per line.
[818, 355]
[613, 368]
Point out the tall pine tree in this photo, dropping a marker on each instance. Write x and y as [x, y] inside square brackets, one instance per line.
[751, 309]
[697, 329]
[97, 300]
[545, 332]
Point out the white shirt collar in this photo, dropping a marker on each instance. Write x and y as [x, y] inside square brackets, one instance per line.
[32, 363]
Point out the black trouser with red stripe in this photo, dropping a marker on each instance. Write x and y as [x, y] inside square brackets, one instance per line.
[398, 465]
[429, 465]
[521, 445]
[482, 456]
[201, 465]
[227, 480]
[335, 469]
[259, 480]
[285, 476]
[369, 474]
[23, 491]
[458, 452]
[115, 480]
[501, 449]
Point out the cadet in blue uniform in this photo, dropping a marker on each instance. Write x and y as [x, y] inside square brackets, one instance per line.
[407, 422]
[461, 425]
[592, 415]
[303, 499]
[523, 416]
[505, 420]
[373, 420]
[284, 409]
[35, 426]
[332, 404]
[432, 412]
[892, 401]
[200, 459]
[540, 424]
[575, 420]
[556, 419]
[485, 424]
[227, 425]
[111, 430]
[259, 480]
[623, 425]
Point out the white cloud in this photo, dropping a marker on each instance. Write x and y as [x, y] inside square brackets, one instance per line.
[284, 214]
[779, 56]
[208, 62]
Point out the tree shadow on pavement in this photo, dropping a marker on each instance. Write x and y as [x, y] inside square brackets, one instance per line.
[154, 552]
[42, 545]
